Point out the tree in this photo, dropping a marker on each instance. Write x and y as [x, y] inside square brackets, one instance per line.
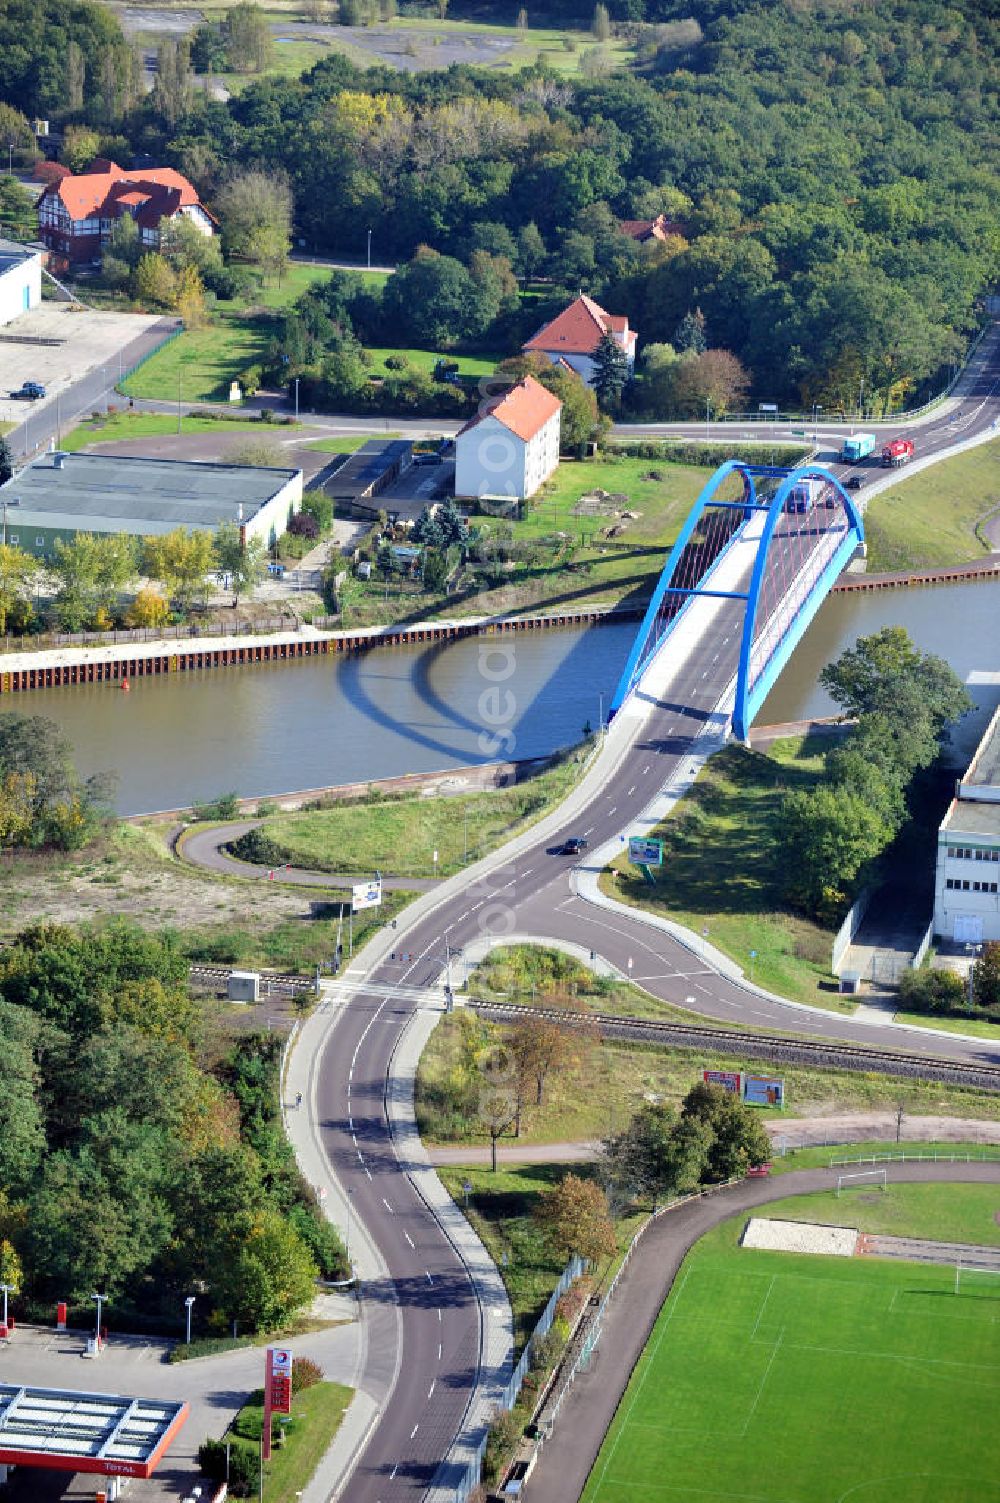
[18, 217]
[875, 675]
[11, 1272]
[189, 298]
[173, 91]
[241, 563]
[716, 380]
[579, 422]
[80, 146]
[273, 1276]
[539, 1048]
[6, 461]
[986, 978]
[829, 836]
[739, 1138]
[531, 250]
[522, 20]
[247, 37]
[611, 372]
[154, 281]
[18, 571]
[431, 300]
[123, 242]
[255, 207]
[147, 610]
[690, 333]
[574, 1217]
[181, 561]
[600, 26]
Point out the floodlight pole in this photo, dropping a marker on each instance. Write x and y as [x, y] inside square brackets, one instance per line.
[189, 1301]
[100, 1298]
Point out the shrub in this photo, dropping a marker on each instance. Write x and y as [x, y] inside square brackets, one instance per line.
[147, 609]
[257, 848]
[226, 806]
[303, 525]
[931, 991]
[305, 1374]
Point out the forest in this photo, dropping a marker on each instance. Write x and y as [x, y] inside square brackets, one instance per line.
[829, 169]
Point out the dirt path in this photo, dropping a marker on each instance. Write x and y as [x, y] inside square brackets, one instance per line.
[788, 1132]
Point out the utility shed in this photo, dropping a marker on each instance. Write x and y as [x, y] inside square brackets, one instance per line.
[59, 495]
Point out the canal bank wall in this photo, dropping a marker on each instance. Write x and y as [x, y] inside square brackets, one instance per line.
[121, 663]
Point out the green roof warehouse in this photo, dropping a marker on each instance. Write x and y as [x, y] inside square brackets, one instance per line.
[59, 495]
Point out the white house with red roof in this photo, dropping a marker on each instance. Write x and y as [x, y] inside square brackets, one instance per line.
[573, 336]
[77, 214]
[511, 447]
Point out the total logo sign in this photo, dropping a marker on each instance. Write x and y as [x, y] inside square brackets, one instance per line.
[279, 1379]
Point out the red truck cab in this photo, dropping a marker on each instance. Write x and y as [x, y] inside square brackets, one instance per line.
[897, 452]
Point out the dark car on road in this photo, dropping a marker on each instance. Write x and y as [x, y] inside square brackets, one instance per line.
[573, 846]
[854, 482]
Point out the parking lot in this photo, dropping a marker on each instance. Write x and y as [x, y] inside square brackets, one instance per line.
[82, 341]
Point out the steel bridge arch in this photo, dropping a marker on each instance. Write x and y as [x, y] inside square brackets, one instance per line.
[836, 530]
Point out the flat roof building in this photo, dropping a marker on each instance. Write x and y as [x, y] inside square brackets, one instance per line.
[59, 495]
[369, 470]
[967, 883]
[20, 279]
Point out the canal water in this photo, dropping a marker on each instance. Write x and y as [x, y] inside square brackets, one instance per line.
[277, 728]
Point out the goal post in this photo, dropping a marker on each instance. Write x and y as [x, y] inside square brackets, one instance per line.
[978, 1278]
[849, 1181]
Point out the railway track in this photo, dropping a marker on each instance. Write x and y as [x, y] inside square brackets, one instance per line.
[743, 1043]
[275, 981]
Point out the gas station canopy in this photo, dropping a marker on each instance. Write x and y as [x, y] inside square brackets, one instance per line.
[85, 1432]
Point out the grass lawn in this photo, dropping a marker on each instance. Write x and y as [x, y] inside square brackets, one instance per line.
[722, 870]
[980, 1028]
[425, 360]
[404, 833]
[199, 365]
[315, 1419]
[602, 1085]
[931, 518]
[788, 1377]
[123, 427]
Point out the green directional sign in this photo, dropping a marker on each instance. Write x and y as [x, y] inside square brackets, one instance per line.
[645, 852]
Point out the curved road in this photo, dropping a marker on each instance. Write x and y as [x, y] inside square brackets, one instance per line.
[527, 890]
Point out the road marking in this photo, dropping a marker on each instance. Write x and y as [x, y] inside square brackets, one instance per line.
[368, 1171]
[361, 1155]
[387, 1205]
[408, 1238]
[354, 1139]
[527, 872]
[631, 791]
[646, 768]
[430, 1390]
[430, 1281]
[350, 1123]
[612, 809]
[439, 1315]
[414, 1431]
[350, 1073]
[590, 831]
[478, 905]
[439, 1351]
[394, 1471]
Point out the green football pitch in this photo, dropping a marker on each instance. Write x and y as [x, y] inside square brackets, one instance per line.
[803, 1379]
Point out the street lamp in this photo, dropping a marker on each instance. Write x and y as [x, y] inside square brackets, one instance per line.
[14, 501]
[296, 398]
[189, 1301]
[369, 250]
[10, 159]
[100, 1298]
[816, 408]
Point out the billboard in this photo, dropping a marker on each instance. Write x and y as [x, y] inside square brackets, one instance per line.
[729, 1080]
[643, 852]
[763, 1090]
[366, 895]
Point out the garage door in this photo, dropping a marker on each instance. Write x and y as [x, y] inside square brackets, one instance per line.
[968, 929]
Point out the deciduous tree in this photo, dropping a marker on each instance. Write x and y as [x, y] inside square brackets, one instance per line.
[575, 1218]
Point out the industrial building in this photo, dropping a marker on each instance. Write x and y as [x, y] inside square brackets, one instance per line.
[967, 883]
[369, 471]
[20, 280]
[60, 494]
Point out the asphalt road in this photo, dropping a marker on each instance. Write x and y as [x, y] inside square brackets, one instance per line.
[534, 893]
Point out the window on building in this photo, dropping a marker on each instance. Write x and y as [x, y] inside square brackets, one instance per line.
[14, 540]
[39, 542]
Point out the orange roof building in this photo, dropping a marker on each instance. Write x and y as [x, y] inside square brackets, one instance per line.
[511, 447]
[643, 230]
[573, 336]
[77, 214]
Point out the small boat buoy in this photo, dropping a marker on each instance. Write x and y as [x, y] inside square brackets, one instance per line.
[125, 685]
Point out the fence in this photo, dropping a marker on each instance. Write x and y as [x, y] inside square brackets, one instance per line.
[844, 936]
[984, 1156]
[574, 1268]
[921, 951]
[169, 339]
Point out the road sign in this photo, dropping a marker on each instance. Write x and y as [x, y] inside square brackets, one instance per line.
[645, 852]
[366, 895]
[767, 407]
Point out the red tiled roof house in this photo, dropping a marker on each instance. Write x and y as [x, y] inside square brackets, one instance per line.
[511, 446]
[643, 230]
[77, 214]
[574, 335]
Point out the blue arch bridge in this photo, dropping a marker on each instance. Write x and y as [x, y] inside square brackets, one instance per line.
[772, 539]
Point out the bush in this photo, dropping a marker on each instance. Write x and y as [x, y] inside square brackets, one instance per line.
[504, 1434]
[226, 806]
[931, 991]
[318, 505]
[244, 1466]
[305, 1374]
[303, 525]
[257, 848]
